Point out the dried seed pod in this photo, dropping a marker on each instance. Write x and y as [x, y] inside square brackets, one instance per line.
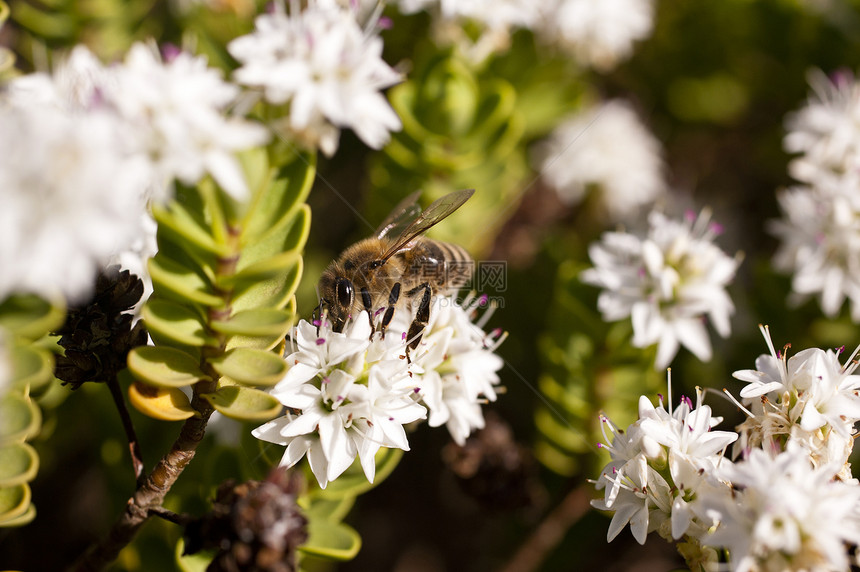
[98, 335]
[255, 526]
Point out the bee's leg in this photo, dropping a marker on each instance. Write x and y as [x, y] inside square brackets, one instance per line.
[393, 297]
[422, 316]
[367, 302]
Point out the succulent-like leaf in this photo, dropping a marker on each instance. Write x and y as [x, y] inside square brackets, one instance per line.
[177, 220]
[353, 482]
[22, 519]
[14, 502]
[183, 283]
[277, 204]
[250, 366]
[164, 403]
[331, 540]
[29, 316]
[289, 235]
[19, 463]
[20, 418]
[244, 403]
[263, 270]
[164, 366]
[272, 293]
[331, 509]
[197, 562]
[31, 367]
[258, 322]
[177, 322]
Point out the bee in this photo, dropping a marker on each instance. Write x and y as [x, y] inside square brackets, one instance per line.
[397, 267]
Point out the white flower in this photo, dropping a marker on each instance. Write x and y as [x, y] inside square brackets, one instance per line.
[826, 132]
[170, 115]
[350, 393]
[666, 283]
[820, 243]
[784, 514]
[608, 148]
[459, 368]
[322, 64]
[820, 240]
[599, 34]
[812, 399]
[79, 82]
[70, 199]
[635, 480]
[319, 350]
[176, 113]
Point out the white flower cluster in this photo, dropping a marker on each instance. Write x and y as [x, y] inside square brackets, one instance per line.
[810, 399]
[609, 151]
[658, 466]
[598, 34]
[321, 63]
[819, 227]
[83, 150]
[666, 282]
[787, 503]
[349, 393]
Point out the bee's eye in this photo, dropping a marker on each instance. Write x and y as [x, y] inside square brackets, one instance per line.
[345, 292]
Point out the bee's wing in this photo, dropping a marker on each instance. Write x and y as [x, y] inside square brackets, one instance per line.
[400, 217]
[437, 211]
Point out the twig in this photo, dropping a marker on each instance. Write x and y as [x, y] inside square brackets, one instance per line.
[170, 516]
[148, 498]
[550, 532]
[133, 443]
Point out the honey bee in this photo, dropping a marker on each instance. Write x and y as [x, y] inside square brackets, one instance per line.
[397, 267]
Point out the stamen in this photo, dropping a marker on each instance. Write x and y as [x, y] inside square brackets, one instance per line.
[738, 403]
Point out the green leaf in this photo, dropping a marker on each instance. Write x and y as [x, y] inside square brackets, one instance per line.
[276, 203]
[169, 276]
[333, 510]
[30, 316]
[353, 482]
[244, 403]
[164, 403]
[289, 235]
[20, 418]
[331, 540]
[250, 366]
[19, 463]
[263, 270]
[14, 502]
[197, 562]
[164, 366]
[177, 220]
[25, 518]
[177, 322]
[260, 322]
[272, 293]
[31, 367]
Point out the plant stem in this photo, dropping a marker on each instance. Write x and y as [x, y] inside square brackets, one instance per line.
[133, 443]
[150, 495]
[170, 516]
[549, 533]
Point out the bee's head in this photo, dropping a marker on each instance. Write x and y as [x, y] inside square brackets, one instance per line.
[337, 295]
